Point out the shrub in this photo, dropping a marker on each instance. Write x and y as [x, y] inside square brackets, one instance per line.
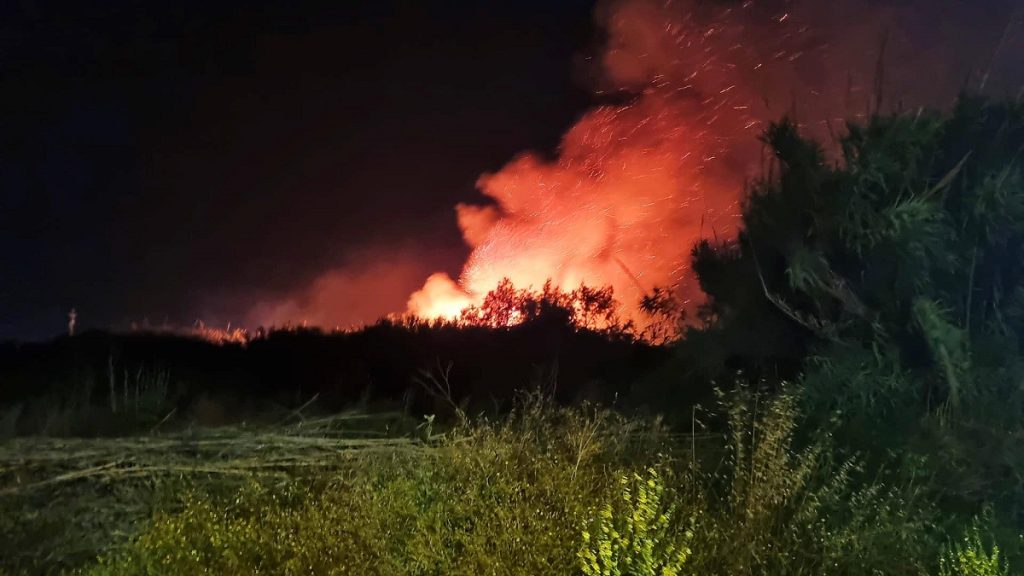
[776, 508]
[637, 534]
[971, 557]
[896, 269]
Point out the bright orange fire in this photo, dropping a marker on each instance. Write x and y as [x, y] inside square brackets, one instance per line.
[633, 186]
[631, 191]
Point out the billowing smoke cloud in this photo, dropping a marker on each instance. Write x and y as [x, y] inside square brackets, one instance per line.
[635, 185]
[373, 284]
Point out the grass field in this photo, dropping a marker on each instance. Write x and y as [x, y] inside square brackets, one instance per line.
[64, 501]
[543, 490]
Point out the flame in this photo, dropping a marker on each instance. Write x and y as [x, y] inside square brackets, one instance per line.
[635, 186]
[440, 297]
[632, 189]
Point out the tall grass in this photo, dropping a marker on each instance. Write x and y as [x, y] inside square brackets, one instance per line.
[558, 491]
[781, 507]
[971, 556]
[63, 501]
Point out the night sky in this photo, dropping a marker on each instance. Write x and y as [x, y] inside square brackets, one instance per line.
[183, 160]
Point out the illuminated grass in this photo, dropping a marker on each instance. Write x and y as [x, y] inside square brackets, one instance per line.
[63, 501]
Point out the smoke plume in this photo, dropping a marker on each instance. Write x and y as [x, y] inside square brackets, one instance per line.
[635, 185]
[372, 284]
[688, 87]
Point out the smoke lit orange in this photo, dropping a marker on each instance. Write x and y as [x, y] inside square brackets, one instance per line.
[632, 189]
[634, 186]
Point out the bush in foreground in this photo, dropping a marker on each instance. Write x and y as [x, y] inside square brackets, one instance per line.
[890, 280]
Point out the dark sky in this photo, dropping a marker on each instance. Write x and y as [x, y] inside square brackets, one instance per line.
[158, 159]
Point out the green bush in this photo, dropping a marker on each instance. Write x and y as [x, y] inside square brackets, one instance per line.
[637, 534]
[889, 280]
[971, 557]
[778, 506]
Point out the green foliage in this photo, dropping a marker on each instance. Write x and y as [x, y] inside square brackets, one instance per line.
[923, 210]
[779, 508]
[492, 498]
[891, 281]
[637, 534]
[556, 491]
[971, 557]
